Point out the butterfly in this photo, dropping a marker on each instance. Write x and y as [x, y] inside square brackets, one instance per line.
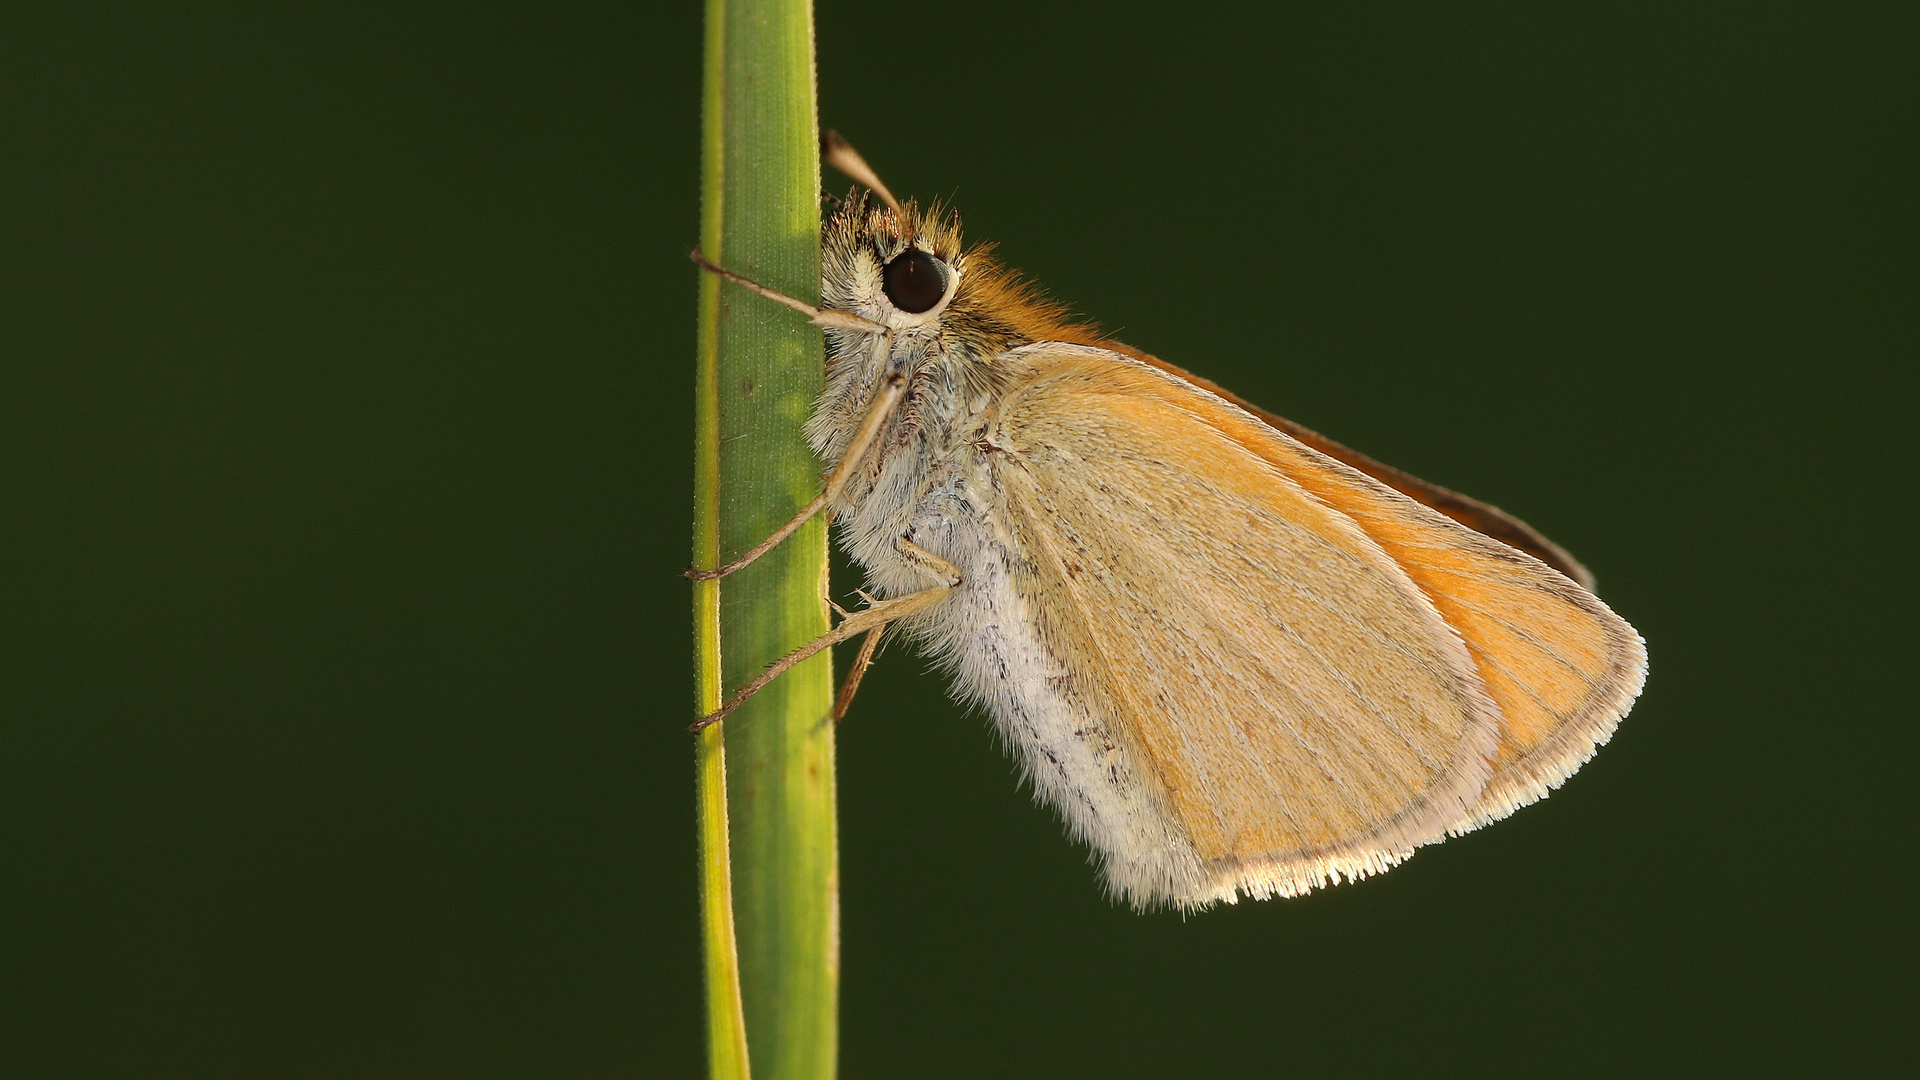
[1235, 656]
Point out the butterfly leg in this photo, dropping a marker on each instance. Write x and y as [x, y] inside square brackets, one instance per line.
[882, 406]
[854, 674]
[891, 391]
[872, 618]
[867, 644]
[925, 560]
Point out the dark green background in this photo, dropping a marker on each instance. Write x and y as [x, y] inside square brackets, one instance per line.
[346, 459]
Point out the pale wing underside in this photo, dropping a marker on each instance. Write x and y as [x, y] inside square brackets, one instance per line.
[1314, 670]
[1302, 708]
[1562, 667]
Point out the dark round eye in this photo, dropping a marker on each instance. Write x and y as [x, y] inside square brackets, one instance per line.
[914, 281]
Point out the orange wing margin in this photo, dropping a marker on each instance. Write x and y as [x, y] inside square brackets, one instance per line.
[1481, 517]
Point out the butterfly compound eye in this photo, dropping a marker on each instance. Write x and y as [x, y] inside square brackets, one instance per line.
[914, 281]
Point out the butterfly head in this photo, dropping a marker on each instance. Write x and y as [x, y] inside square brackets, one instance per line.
[901, 268]
[906, 269]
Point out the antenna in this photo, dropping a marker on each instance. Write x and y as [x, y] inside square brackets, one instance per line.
[836, 151]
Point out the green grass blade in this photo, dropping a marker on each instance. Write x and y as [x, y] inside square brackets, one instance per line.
[761, 369]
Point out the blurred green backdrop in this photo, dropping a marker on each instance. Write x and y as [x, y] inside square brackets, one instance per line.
[346, 479]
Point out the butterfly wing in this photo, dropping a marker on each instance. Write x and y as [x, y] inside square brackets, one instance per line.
[1544, 742]
[1563, 668]
[1297, 707]
[1480, 517]
[1313, 673]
